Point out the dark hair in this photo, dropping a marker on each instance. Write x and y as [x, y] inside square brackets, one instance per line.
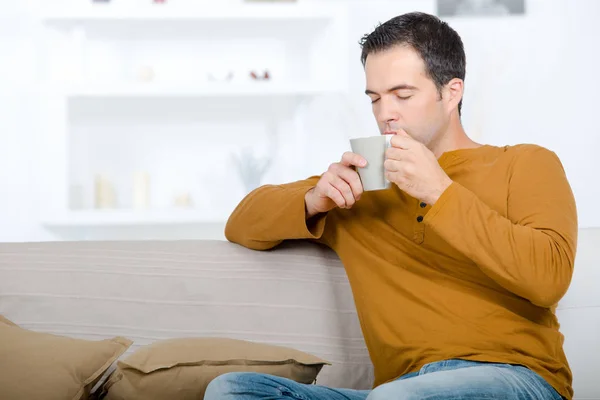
[440, 47]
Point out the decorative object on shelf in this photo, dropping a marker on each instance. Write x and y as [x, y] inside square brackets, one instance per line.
[146, 74]
[479, 8]
[105, 195]
[257, 77]
[251, 168]
[183, 200]
[225, 76]
[141, 190]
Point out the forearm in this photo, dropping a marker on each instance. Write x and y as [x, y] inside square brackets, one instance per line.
[534, 263]
[273, 213]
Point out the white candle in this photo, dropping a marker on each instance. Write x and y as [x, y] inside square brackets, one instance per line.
[105, 193]
[141, 190]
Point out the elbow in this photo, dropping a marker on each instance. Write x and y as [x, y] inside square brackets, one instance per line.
[235, 233]
[548, 294]
[546, 299]
[231, 232]
[241, 223]
[238, 226]
[553, 277]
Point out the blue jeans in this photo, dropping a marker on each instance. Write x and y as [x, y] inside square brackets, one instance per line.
[447, 380]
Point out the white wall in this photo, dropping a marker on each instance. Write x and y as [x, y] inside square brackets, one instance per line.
[529, 79]
[18, 125]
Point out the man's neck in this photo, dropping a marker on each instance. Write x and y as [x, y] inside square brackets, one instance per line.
[454, 138]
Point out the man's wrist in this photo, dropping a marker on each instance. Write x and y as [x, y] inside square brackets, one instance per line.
[435, 196]
[308, 211]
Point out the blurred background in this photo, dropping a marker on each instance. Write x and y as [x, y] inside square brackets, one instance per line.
[150, 119]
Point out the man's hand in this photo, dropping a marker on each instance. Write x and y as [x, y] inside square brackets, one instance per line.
[415, 169]
[339, 186]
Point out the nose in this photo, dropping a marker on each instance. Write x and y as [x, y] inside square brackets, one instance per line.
[387, 112]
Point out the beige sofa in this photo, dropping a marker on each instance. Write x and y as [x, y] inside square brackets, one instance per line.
[296, 295]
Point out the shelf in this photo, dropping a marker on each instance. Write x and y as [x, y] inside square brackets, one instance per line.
[258, 89]
[208, 103]
[112, 218]
[259, 12]
[164, 20]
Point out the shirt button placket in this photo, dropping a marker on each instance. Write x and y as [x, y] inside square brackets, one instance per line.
[419, 232]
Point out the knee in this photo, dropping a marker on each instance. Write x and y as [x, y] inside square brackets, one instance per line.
[380, 393]
[228, 385]
[395, 391]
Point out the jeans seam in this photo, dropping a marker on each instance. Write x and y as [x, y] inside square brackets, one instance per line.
[533, 379]
[286, 391]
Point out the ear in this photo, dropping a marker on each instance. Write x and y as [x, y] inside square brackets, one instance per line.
[453, 93]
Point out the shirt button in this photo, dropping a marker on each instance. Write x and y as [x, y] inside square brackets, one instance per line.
[423, 205]
[420, 218]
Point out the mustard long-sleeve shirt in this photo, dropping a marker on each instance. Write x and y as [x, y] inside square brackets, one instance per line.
[476, 276]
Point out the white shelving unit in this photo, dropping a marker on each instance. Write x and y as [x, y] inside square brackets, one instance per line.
[81, 12]
[93, 54]
[117, 218]
[209, 90]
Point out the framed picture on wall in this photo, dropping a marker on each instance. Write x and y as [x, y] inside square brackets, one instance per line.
[479, 8]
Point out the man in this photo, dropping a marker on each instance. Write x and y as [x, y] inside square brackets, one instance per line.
[457, 268]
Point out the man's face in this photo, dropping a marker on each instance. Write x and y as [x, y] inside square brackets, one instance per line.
[403, 96]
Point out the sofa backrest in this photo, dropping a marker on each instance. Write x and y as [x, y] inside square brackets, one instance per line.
[296, 296]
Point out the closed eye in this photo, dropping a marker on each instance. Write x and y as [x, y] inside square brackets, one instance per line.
[374, 101]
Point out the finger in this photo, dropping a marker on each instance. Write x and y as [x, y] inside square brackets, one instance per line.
[402, 132]
[392, 165]
[390, 176]
[335, 196]
[344, 188]
[399, 180]
[394, 153]
[353, 179]
[402, 142]
[350, 176]
[353, 159]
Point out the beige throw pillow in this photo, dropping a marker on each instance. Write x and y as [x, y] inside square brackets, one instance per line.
[36, 365]
[3, 320]
[182, 368]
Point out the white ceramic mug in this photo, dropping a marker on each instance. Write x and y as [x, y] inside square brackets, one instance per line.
[373, 150]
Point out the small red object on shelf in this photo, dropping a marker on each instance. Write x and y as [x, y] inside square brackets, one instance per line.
[264, 77]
